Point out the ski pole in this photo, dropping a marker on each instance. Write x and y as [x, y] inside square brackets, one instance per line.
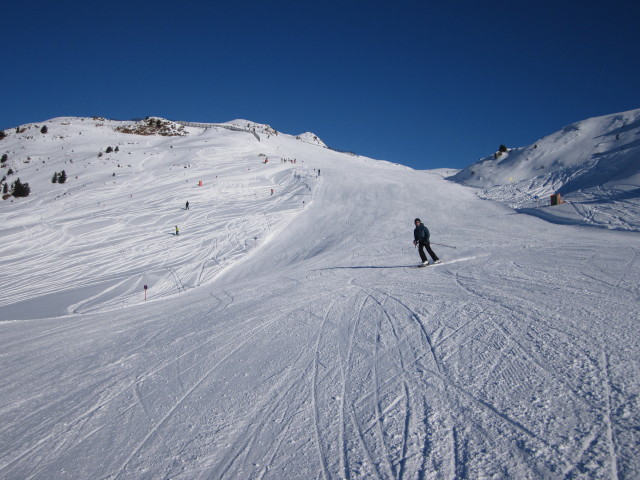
[443, 245]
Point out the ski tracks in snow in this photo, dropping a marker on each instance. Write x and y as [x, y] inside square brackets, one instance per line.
[566, 424]
[437, 380]
[371, 404]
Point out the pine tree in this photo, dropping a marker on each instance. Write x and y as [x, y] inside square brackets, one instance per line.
[62, 178]
[44, 129]
[5, 157]
[19, 189]
[54, 179]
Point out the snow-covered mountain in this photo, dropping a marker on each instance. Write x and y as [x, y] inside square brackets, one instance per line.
[126, 191]
[594, 164]
[285, 332]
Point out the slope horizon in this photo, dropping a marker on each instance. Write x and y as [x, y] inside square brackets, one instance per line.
[243, 121]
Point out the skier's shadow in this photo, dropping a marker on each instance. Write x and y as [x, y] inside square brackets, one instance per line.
[366, 266]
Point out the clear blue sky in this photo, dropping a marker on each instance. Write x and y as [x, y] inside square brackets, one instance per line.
[425, 84]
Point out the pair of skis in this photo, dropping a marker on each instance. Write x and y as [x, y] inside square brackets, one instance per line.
[430, 264]
[439, 262]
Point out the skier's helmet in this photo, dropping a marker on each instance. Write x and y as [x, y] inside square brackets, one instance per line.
[417, 220]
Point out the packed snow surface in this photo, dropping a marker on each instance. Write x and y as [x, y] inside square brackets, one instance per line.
[286, 332]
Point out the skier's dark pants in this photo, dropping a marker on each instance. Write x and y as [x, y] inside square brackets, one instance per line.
[422, 244]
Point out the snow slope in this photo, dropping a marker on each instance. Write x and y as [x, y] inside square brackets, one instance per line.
[290, 336]
[125, 205]
[594, 164]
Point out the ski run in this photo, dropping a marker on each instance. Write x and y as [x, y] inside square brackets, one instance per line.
[286, 333]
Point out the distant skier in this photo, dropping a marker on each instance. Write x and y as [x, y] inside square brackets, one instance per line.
[187, 207]
[421, 238]
[177, 231]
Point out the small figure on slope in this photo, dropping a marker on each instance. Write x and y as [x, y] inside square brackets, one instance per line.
[177, 231]
[421, 238]
[187, 206]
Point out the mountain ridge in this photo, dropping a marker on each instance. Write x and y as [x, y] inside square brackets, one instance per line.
[594, 164]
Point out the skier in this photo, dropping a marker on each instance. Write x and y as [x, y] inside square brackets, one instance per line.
[187, 207]
[421, 238]
[177, 231]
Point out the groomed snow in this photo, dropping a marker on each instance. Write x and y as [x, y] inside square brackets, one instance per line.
[290, 335]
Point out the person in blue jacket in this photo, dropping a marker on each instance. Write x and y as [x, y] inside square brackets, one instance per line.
[421, 238]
